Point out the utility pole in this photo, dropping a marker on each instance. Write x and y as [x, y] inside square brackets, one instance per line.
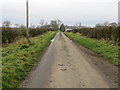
[27, 20]
[119, 13]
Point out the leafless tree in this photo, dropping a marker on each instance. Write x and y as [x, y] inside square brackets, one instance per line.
[41, 22]
[6, 24]
[55, 24]
[113, 24]
[32, 25]
[22, 26]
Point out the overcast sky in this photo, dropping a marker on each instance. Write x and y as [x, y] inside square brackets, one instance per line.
[88, 12]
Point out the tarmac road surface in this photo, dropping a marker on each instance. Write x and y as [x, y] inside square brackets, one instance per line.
[68, 65]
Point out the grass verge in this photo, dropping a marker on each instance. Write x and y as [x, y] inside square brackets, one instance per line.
[19, 58]
[110, 52]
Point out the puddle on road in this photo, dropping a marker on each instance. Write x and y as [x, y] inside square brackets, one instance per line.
[61, 64]
[45, 60]
[64, 69]
[55, 37]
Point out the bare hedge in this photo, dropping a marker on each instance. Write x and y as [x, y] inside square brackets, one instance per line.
[104, 32]
[10, 34]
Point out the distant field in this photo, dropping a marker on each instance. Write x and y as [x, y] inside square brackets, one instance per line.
[19, 58]
[110, 52]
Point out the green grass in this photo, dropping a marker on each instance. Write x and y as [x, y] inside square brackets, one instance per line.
[110, 52]
[19, 58]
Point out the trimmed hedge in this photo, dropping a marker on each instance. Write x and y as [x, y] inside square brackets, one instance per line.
[104, 32]
[9, 35]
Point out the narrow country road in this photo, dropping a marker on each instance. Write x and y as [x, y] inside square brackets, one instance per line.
[68, 65]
